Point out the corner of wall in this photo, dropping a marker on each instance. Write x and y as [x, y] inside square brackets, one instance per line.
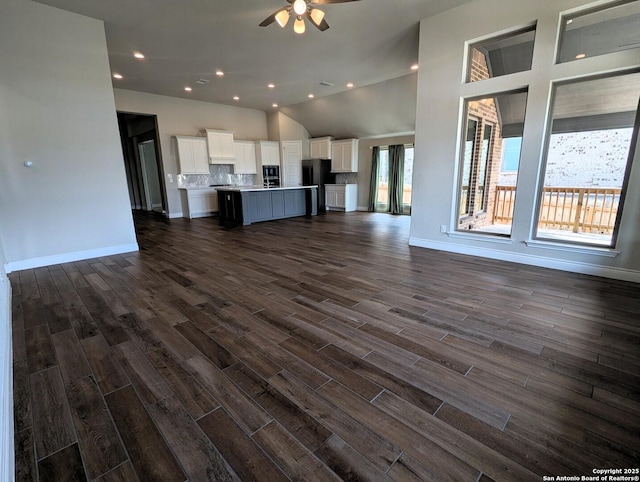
[6, 377]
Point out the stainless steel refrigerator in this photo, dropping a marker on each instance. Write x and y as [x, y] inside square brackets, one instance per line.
[318, 172]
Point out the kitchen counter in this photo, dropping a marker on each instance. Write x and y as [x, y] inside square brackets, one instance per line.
[261, 188]
[250, 204]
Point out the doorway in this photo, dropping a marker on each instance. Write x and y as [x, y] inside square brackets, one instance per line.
[143, 162]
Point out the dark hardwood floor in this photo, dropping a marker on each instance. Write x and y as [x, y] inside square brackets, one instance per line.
[319, 349]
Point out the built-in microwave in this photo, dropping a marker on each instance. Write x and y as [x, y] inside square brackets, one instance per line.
[271, 176]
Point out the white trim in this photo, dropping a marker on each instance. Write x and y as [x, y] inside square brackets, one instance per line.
[7, 455]
[362, 208]
[175, 215]
[491, 238]
[533, 260]
[69, 257]
[573, 248]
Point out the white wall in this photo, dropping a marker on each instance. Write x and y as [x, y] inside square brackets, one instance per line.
[438, 120]
[178, 116]
[58, 112]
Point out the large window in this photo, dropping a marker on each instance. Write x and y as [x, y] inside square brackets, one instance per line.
[601, 31]
[502, 55]
[382, 204]
[485, 201]
[589, 152]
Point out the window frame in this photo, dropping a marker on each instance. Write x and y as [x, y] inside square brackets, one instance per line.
[633, 145]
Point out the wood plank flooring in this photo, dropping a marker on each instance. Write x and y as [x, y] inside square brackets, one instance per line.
[319, 349]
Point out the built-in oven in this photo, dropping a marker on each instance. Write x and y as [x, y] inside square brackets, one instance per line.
[271, 176]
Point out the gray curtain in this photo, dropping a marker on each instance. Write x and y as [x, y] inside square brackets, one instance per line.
[396, 178]
[373, 185]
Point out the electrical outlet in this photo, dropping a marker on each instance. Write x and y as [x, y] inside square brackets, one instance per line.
[443, 228]
[170, 176]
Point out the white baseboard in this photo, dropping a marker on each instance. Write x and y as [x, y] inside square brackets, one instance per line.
[69, 257]
[174, 215]
[7, 455]
[362, 208]
[532, 260]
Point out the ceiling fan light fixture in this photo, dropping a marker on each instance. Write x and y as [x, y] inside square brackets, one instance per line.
[298, 25]
[317, 16]
[283, 18]
[300, 7]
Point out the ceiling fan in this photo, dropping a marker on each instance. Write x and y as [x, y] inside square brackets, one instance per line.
[301, 9]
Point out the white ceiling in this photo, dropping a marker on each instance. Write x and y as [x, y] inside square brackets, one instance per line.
[369, 41]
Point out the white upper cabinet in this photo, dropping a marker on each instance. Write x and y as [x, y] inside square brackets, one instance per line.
[245, 154]
[320, 148]
[292, 163]
[344, 155]
[268, 153]
[192, 155]
[220, 144]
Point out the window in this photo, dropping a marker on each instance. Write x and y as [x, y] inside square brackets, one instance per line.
[502, 55]
[485, 199]
[382, 204]
[600, 32]
[589, 151]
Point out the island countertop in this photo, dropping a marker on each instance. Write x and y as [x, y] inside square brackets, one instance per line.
[250, 204]
[262, 188]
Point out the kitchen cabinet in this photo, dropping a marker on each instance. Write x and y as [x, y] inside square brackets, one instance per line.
[220, 145]
[192, 155]
[245, 157]
[341, 197]
[320, 148]
[252, 205]
[344, 155]
[291, 163]
[268, 153]
[199, 202]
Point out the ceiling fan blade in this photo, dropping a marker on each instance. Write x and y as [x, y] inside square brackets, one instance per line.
[326, 2]
[272, 18]
[322, 26]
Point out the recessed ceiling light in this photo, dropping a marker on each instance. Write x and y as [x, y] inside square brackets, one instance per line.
[271, 86]
[311, 96]
[581, 56]
[235, 97]
[350, 85]
[117, 76]
[219, 73]
[414, 67]
[188, 89]
[274, 105]
[138, 55]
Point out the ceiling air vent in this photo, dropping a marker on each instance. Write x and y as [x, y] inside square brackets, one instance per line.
[202, 81]
[327, 84]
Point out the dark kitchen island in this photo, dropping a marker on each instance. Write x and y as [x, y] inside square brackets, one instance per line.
[246, 205]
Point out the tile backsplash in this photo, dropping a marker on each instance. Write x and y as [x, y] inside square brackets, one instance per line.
[218, 174]
[347, 178]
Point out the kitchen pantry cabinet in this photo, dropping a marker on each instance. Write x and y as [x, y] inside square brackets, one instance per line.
[245, 154]
[268, 153]
[198, 203]
[344, 155]
[192, 155]
[341, 197]
[320, 148]
[220, 145]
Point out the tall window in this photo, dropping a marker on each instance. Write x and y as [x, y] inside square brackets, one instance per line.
[589, 152]
[485, 204]
[382, 204]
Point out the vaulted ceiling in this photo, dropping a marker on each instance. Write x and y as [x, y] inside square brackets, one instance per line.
[369, 41]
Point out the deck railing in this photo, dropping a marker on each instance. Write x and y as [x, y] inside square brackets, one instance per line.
[577, 209]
